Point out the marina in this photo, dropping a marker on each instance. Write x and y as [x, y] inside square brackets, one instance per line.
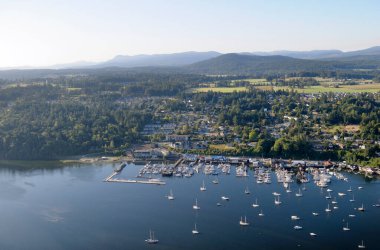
[217, 211]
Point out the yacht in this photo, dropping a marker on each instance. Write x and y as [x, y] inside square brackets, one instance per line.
[328, 208]
[299, 194]
[196, 207]
[225, 198]
[277, 200]
[243, 222]
[329, 190]
[151, 239]
[351, 215]
[203, 187]
[360, 188]
[276, 194]
[361, 209]
[346, 228]
[255, 204]
[171, 196]
[361, 245]
[294, 217]
[195, 230]
[313, 234]
[341, 194]
[218, 204]
[315, 214]
[335, 207]
[246, 191]
[297, 227]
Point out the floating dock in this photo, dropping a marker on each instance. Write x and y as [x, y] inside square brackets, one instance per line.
[111, 178]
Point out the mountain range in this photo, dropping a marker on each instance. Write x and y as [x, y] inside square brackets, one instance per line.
[212, 62]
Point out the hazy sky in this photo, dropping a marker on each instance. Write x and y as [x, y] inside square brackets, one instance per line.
[45, 32]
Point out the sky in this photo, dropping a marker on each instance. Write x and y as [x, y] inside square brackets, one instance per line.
[48, 32]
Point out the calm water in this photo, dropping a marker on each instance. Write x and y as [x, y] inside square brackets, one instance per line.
[71, 208]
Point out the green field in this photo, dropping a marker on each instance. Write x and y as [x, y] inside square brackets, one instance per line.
[319, 89]
[372, 88]
[220, 89]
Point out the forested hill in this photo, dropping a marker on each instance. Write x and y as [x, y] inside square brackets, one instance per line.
[238, 64]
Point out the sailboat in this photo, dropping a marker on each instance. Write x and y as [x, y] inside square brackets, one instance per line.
[215, 181]
[349, 190]
[304, 187]
[346, 228]
[299, 194]
[203, 187]
[334, 201]
[277, 200]
[288, 190]
[246, 191]
[328, 208]
[313, 234]
[261, 213]
[361, 209]
[361, 245]
[195, 230]
[315, 214]
[243, 222]
[171, 196]
[151, 239]
[328, 196]
[196, 207]
[353, 198]
[255, 204]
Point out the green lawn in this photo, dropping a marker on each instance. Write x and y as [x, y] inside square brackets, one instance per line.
[220, 89]
[342, 89]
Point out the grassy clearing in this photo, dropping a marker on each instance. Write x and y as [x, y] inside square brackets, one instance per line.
[222, 147]
[319, 89]
[220, 89]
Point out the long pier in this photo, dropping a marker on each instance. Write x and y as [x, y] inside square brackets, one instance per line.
[156, 182]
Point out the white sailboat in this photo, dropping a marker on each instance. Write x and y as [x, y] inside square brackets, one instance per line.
[315, 214]
[341, 194]
[361, 245]
[328, 196]
[299, 194]
[261, 213]
[246, 191]
[203, 187]
[361, 209]
[255, 204]
[313, 234]
[294, 217]
[346, 228]
[353, 198]
[328, 208]
[334, 201]
[297, 227]
[195, 230]
[215, 181]
[243, 222]
[277, 200]
[196, 207]
[349, 190]
[171, 196]
[151, 239]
